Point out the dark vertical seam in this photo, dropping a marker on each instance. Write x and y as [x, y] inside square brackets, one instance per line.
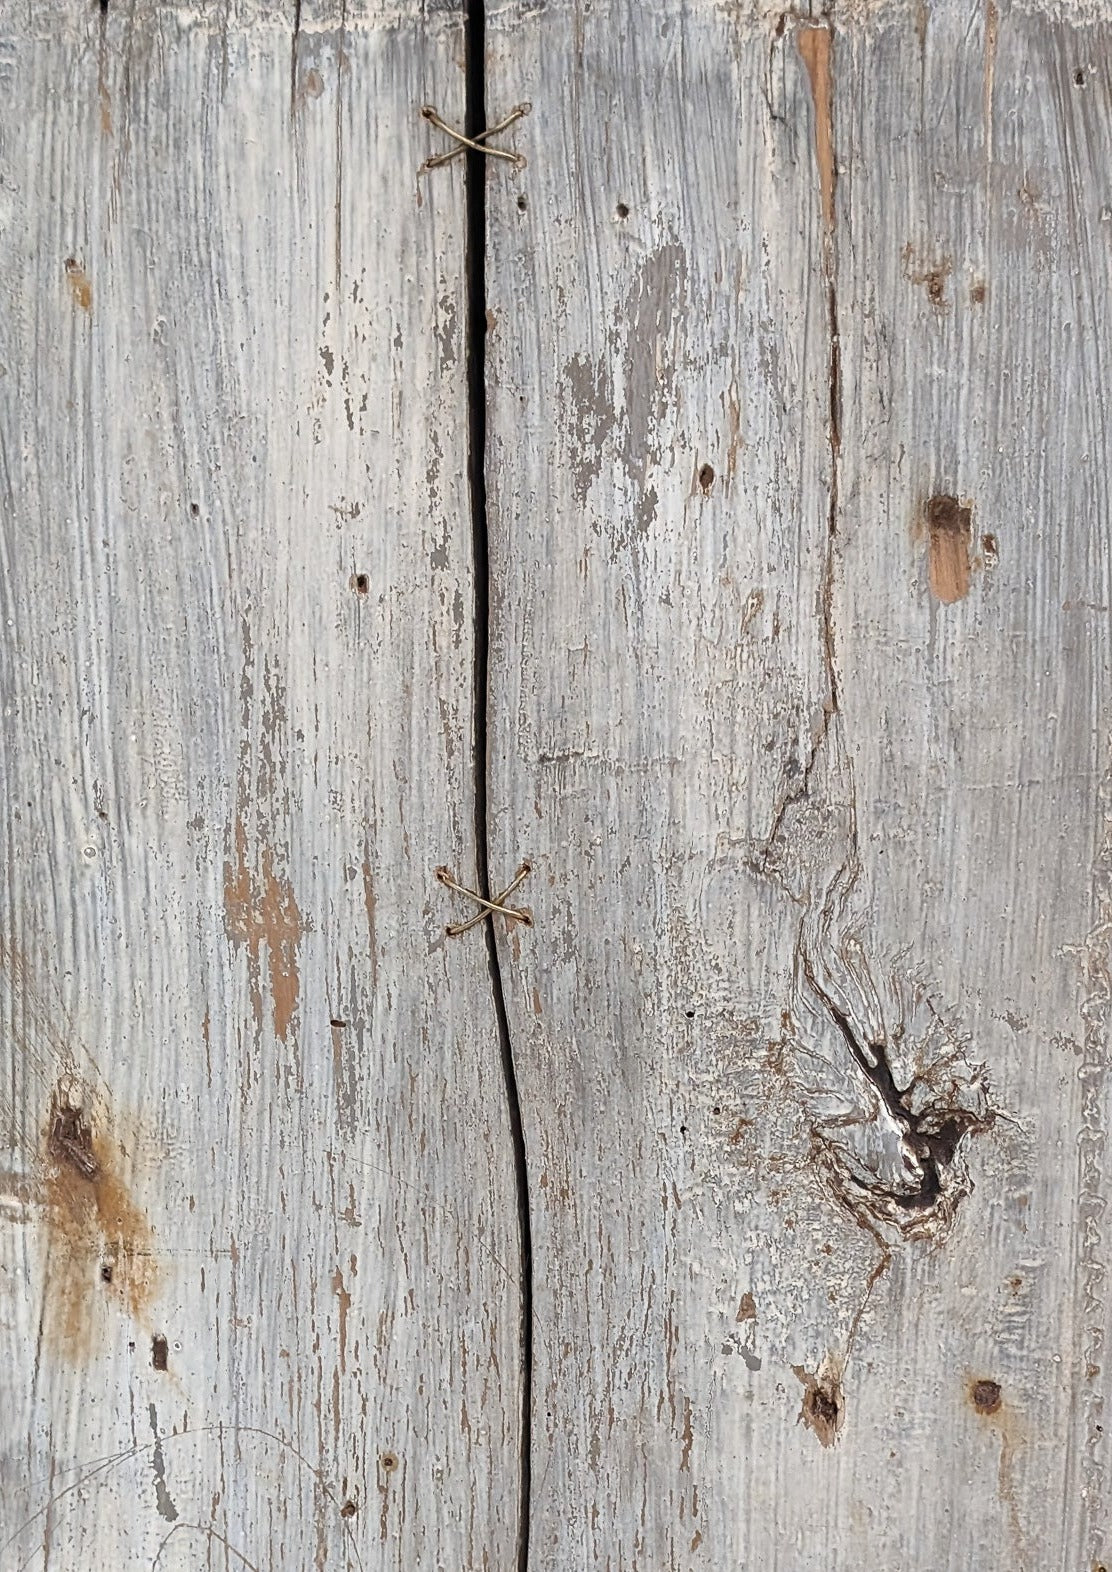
[476, 120]
[341, 63]
[294, 41]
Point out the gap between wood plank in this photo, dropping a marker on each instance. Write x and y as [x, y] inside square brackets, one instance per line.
[476, 121]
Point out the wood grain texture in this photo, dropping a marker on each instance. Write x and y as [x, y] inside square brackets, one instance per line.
[252, 1114]
[800, 685]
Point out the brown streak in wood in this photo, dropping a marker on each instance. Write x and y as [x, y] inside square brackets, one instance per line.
[988, 1403]
[688, 1438]
[344, 1299]
[950, 533]
[992, 33]
[81, 287]
[263, 910]
[813, 42]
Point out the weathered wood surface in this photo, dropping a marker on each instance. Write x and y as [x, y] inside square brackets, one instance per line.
[798, 366]
[232, 350]
[807, 762]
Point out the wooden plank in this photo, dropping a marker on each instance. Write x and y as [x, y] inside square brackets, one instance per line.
[800, 694]
[253, 1120]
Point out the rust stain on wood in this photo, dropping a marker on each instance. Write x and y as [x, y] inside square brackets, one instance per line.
[98, 1240]
[813, 40]
[81, 287]
[260, 908]
[950, 534]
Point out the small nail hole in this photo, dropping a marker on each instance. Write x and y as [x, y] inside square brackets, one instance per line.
[106, 1272]
[690, 1014]
[160, 1352]
[361, 583]
[706, 478]
[389, 1462]
[194, 508]
[349, 1509]
[621, 210]
[522, 202]
[337, 1023]
[1079, 76]
[986, 1396]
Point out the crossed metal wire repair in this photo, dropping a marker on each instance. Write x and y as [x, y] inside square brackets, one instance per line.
[514, 913]
[477, 144]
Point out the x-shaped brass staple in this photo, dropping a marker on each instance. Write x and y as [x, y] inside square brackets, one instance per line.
[477, 144]
[514, 913]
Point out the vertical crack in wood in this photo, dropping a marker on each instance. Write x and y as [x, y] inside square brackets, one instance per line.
[294, 41]
[476, 166]
[892, 1155]
[814, 42]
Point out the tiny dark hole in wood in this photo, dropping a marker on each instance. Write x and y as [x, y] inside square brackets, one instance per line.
[194, 508]
[1079, 76]
[947, 516]
[362, 583]
[522, 202]
[103, 7]
[822, 1406]
[706, 478]
[160, 1352]
[106, 1272]
[349, 1509]
[716, 1109]
[389, 1462]
[690, 1014]
[621, 210]
[335, 1021]
[986, 1396]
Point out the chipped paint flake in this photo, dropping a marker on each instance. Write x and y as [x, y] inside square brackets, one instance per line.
[261, 910]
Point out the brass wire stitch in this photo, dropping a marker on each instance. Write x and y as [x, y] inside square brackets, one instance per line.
[513, 913]
[477, 144]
